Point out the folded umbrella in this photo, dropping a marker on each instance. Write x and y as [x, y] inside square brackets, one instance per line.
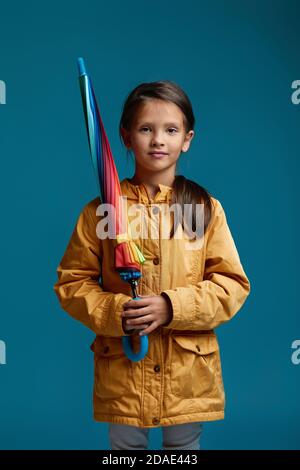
[128, 257]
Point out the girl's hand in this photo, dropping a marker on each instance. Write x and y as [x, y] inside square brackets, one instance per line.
[150, 312]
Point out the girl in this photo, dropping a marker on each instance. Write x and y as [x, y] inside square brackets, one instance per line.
[187, 288]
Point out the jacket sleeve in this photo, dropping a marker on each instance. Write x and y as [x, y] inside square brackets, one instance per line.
[77, 287]
[224, 288]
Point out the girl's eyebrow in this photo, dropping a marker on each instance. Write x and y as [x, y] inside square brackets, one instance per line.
[176, 124]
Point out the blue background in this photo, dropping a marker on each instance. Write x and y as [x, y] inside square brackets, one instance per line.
[236, 60]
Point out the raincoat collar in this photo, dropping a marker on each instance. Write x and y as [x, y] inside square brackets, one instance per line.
[139, 192]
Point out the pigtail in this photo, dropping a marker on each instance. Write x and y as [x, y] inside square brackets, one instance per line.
[186, 191]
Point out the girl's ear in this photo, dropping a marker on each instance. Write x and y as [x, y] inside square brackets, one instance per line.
[187, 141]
[125, 137]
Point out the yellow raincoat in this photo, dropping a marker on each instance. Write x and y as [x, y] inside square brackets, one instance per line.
[180, 378]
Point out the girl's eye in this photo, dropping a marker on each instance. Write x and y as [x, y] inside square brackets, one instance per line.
[170, 129]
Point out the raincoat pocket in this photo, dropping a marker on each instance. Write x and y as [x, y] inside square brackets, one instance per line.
[112, 368]
[195, 365]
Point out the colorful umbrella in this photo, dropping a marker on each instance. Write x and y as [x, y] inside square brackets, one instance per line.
[128, 258]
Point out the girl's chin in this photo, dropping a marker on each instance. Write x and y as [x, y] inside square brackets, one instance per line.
[158, 157]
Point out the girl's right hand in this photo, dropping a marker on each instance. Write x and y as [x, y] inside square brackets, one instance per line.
[127, 328]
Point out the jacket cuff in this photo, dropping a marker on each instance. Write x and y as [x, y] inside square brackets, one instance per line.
[119, 320]
[183, 304]
[114, 320]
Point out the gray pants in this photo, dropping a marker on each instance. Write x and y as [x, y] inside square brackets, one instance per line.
[180, 436]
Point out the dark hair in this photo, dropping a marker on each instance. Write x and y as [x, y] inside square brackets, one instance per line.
[185, 191]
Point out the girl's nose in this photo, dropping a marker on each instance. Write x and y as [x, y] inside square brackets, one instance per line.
[157, 138]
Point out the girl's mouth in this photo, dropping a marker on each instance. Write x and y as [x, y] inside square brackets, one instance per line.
[158, 155]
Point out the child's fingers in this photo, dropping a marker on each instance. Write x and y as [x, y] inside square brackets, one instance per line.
[137, 321]
[141, 327]
[151, 327]
[136, 327]
[134, 313]
[137, 303]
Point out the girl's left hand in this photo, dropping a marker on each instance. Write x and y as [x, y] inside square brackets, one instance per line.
[154, 310]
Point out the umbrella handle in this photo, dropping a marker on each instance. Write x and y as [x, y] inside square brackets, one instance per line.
[81, 66]
[135, 357]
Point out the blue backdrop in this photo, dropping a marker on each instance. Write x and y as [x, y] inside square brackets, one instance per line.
[237, 61]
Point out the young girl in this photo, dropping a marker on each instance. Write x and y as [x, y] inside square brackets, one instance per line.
[187, 288]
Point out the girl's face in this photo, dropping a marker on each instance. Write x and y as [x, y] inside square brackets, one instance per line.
[158, 126]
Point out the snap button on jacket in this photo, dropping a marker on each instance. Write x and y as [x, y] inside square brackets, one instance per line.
[180, 378]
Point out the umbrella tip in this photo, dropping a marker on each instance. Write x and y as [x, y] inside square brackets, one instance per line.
[81, 66]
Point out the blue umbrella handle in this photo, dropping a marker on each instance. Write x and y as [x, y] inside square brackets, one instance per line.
[81, 66]
[135, 357]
